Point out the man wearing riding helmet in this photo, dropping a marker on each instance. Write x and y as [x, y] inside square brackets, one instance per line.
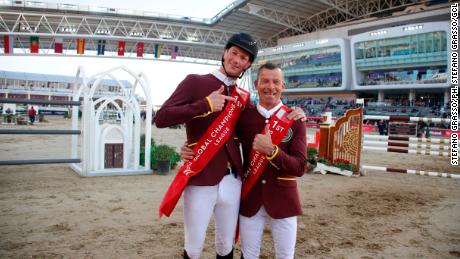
[197, 102]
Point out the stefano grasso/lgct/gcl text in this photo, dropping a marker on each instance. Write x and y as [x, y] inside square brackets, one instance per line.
[454, 81]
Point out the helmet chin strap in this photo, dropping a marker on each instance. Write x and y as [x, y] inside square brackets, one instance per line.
[230, 75]
[242, 73]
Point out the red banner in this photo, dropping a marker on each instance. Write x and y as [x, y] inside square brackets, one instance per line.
[140, 49]
[121, 48]
[445, 133]
[34, 44]
[58, 45]
[8, 44]
[279, 125]
[208, 145]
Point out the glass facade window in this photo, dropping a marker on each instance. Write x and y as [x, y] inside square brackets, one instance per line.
[10, 82]
[319, 67]
[403, 60]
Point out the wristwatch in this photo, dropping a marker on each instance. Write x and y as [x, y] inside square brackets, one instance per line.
[273, 152]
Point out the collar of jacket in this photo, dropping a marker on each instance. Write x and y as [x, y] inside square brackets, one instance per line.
[268, 113]
[223, 78]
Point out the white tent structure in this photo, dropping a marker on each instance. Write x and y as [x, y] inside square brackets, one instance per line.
[110, 147]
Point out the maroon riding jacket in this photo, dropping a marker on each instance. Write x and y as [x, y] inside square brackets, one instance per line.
[276, 188]
[188, 105]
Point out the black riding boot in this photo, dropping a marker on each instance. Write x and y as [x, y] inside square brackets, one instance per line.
[229, 256]
[186, 255]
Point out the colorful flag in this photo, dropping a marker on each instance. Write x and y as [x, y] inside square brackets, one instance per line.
[121, 48]
[174, 52]
[81, 46]
[140, 49]
[34, 44]
[58, 45]
[101, 47]
[157, 50]
[8, 44]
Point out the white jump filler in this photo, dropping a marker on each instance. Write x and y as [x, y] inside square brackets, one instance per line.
[102, 143]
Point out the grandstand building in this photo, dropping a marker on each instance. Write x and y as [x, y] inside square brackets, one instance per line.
[313, 66]
[49, 87]
[398, 65]
[409, 60]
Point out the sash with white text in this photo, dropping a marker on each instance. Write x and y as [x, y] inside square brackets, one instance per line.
[279, 125]
[208, 145]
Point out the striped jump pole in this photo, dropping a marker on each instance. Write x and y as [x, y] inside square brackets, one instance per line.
[408, 151]
[40, 161]
[408, 145]
[406, 138]
[40, 132]
[404, 144]
[418, 146]
[406, 118]
[410, 171]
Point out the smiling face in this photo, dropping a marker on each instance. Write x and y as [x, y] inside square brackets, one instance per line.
[269, 85]
[235, 61]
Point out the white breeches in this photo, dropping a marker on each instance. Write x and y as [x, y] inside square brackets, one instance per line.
[200, 203]
[284, 232]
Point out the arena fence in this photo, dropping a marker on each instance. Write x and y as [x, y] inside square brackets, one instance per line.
[420, 146]
[406, 118]
[408, 145]
[29, 131]
[336, 142]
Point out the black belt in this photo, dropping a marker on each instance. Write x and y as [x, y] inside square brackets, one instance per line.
[232, 170]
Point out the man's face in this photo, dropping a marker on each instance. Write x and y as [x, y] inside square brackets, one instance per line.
[236, 60]
[269, 86]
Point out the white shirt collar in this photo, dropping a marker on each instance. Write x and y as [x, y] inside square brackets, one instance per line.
[268, 113]
[223, 78]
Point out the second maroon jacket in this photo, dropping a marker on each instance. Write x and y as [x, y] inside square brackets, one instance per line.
[188, 105]
[276, 189]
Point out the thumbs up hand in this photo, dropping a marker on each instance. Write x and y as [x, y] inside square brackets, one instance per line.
[263, 142]
[217, 99]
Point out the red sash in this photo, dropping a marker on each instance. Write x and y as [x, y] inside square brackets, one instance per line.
[208, 145]
[279, 125]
